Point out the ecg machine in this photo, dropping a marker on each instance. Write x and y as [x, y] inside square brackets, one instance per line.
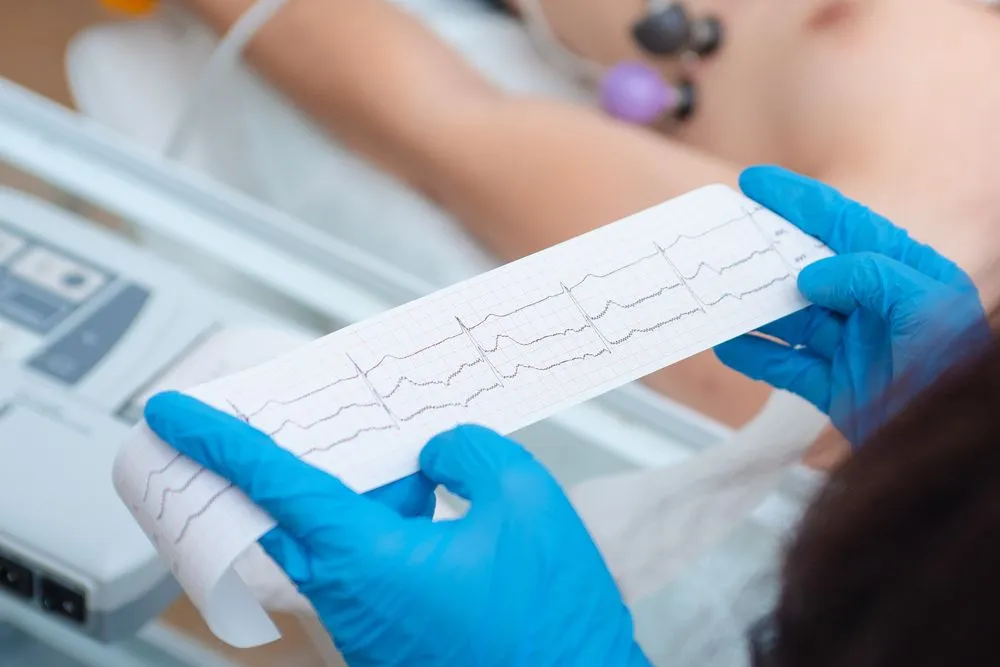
[88, 326]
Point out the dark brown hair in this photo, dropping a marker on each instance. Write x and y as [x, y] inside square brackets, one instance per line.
[897, 562]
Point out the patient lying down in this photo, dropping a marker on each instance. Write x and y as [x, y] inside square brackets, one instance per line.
[841, 90]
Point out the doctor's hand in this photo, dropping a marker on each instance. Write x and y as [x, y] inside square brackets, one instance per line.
[517, 581]
[889, 314]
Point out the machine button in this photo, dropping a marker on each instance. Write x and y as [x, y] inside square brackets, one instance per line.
[30, 306]
[59, 275]
[74, 355]
[10, 245]
[74, 279]
[62, 601]
[16, 579]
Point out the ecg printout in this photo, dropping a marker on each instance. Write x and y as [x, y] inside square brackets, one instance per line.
[504, 349]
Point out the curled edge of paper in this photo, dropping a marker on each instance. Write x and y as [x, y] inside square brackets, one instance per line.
[235, 615]
[226, 601]
[229, 604]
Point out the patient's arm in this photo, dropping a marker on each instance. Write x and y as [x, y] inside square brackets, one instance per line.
[522, 174]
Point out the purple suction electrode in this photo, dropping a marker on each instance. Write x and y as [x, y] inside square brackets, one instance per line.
[636, 93]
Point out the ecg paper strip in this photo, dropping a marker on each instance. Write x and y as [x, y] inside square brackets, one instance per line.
[505, 349]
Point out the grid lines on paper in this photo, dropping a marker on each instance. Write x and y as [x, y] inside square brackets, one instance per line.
[500, 350]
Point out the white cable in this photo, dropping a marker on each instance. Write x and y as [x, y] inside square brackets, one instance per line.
[231, 47]
[554, 51]
[222, 60]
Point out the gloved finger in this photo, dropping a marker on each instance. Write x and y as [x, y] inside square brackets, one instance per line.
[286, 551]
[816, 328]
[301, 498]
[470, 461]
[780, 366]
[864, 280]
[409, 497]
[843, 224]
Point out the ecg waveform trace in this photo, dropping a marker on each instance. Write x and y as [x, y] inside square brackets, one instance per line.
[481, 349]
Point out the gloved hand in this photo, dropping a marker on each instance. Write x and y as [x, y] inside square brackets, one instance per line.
[517, 581]
[411, 496]
[889, 314]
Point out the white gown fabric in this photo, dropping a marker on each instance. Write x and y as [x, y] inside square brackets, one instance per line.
[135, 77]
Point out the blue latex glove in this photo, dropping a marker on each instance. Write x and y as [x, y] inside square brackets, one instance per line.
[412, 496]
[517, 581]
[886, 309]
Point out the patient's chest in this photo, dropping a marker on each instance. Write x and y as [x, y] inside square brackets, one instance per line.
[784, 89]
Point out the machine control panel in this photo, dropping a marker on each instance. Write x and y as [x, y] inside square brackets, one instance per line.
[60, 314]
[89, 324]
[41, 286]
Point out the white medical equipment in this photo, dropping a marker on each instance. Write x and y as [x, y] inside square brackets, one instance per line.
[89, 326]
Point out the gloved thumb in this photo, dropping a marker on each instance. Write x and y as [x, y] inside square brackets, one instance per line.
[864, 280]
[473, 462]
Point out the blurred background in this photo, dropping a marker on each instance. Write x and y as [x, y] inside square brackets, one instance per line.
[33, 40]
